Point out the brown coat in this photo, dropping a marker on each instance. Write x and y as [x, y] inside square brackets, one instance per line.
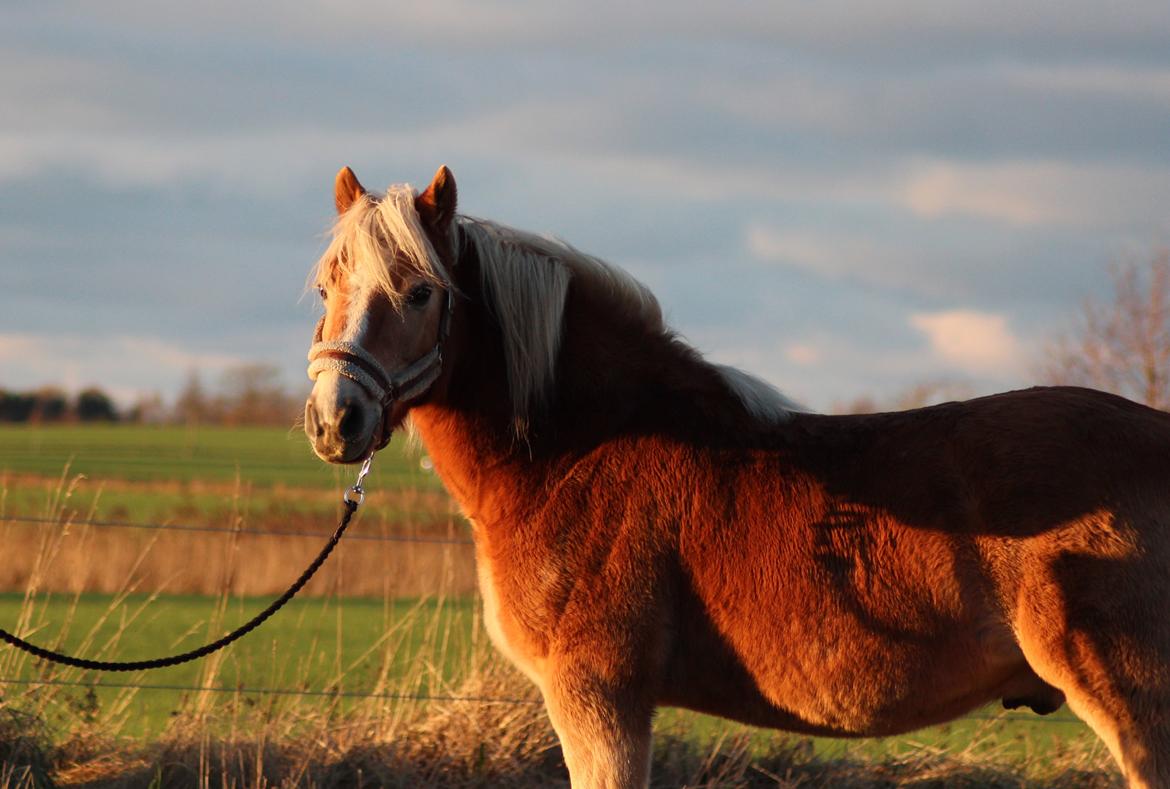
[645, 538]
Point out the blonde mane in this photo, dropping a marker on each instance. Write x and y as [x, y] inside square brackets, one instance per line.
[525, 279]
[376, 230]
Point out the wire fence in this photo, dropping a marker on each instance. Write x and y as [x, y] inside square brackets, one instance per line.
[186, 527]
[1005, 716]
[1001, 717]
[243, 690]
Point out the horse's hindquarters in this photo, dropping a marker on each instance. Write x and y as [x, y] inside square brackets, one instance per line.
[1091, 619]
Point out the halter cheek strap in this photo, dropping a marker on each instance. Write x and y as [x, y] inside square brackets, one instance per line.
[359, 365]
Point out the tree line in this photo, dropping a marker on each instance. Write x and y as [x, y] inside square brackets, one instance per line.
[251, 394]
[50, 404]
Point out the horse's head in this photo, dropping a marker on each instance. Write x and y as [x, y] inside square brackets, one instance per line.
[387, 292]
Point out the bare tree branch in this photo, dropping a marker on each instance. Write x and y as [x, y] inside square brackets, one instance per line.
[1121, 345]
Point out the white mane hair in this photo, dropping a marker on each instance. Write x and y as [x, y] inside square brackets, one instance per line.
[525, 279]
[760, 399]
[376, 230]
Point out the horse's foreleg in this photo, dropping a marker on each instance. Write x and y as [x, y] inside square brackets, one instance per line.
[604, 726]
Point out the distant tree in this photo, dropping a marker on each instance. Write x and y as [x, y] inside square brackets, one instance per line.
[932, 393]
[148, 409]
[917, 396]
[1121, 345]
[192, 405]
[254, 395]
[16, 406]
[94, 405]
[50, 404]
[862, 404]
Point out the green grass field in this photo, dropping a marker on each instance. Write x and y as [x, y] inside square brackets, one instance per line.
[159, 473]
[322, 646]
[257, 456]
[355, 646]
[398, 648]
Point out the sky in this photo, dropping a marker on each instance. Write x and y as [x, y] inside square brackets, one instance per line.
[847, 199]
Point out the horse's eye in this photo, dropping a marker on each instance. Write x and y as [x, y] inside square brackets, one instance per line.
[321, 291]
[419, 295]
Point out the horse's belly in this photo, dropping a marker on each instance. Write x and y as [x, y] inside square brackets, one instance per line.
[879, 698]
[853, 684]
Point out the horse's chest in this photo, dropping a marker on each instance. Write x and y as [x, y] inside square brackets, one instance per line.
[501, 625]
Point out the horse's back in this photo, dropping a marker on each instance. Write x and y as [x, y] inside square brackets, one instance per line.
[1014, 464]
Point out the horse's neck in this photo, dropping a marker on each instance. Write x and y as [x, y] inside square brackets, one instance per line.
[618, 375]
[467, 428]
[479, 463]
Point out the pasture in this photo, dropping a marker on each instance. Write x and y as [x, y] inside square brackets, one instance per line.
[175, 471]
[380, 673]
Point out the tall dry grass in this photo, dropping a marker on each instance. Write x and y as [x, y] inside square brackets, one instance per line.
[413, 553]
[51, 737]
[463, 745]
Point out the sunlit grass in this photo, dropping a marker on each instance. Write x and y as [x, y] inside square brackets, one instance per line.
[398, 687]
[254, 457]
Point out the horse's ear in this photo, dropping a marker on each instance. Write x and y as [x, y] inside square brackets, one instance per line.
[436, 204]
[346, 189]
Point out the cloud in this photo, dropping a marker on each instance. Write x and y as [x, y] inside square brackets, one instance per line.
[692, 138]
[805, 250]
[946, 189]
[252, 162]
[887, 31]
[835, 255]
[1100, 195]
[932, 263]
[973, 342]
[841, 365]
[1144, 83]
[802, 353]
[770, 132]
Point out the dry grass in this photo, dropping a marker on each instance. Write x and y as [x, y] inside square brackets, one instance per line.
[163, 561]
[463, 745]
[466, 744]
[245, 562]
[233, 740]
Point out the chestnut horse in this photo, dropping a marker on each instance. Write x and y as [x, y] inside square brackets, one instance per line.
[654, 529]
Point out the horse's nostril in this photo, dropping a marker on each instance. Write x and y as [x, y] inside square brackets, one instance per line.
[312, 424]
[350, 425]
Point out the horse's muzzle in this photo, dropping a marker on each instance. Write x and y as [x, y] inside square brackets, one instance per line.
[344, 434]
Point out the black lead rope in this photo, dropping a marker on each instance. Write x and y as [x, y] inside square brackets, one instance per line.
[352, 499]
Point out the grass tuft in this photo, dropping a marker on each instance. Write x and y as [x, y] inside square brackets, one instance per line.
[25, 748]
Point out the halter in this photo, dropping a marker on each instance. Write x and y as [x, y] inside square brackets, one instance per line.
[357, 364]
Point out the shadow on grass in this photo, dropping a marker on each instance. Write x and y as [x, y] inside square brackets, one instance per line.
[433, 762]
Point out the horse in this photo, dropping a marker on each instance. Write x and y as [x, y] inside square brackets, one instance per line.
[653, 529]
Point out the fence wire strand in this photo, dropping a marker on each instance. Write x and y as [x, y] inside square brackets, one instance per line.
[228, 530]
[348, 694]
[1003, 717]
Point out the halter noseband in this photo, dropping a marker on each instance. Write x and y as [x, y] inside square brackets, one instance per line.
[357, 364]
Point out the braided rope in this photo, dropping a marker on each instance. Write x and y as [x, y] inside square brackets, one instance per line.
[351, 506]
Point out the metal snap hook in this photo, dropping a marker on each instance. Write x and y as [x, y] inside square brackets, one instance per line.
[356, 494]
